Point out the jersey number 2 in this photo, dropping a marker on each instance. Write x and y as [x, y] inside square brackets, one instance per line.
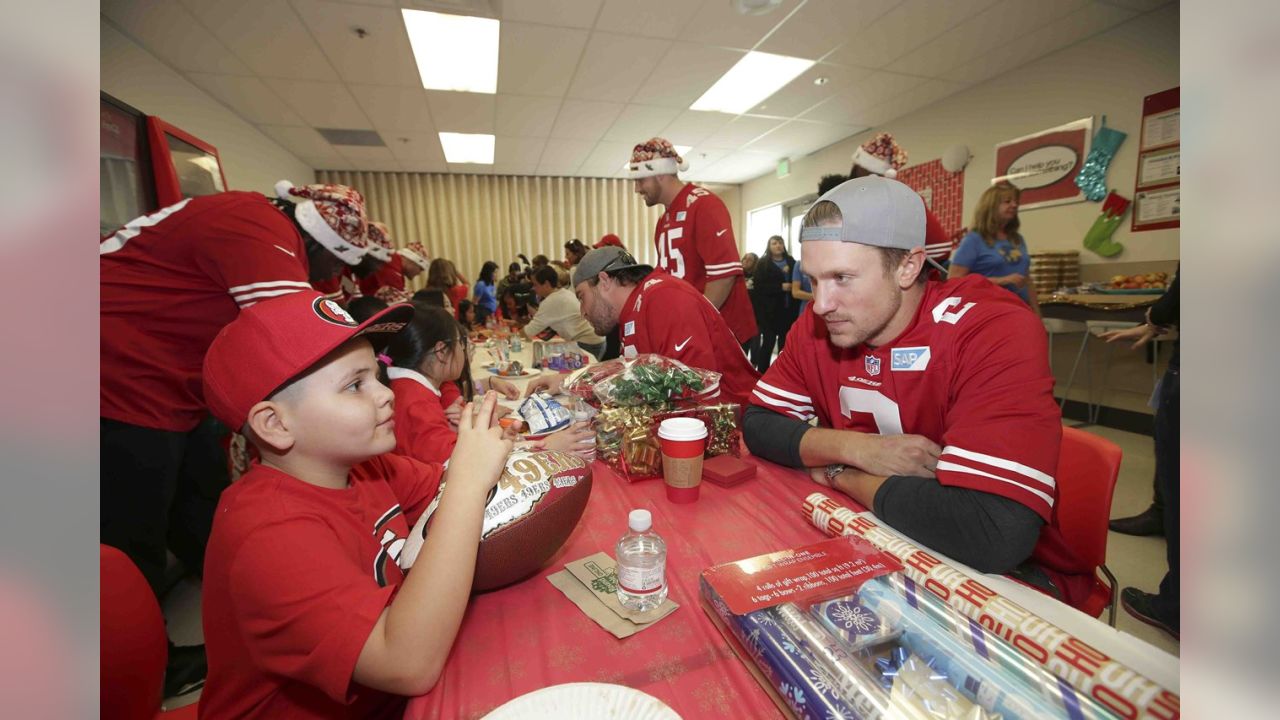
[667, 249]
[883, 410]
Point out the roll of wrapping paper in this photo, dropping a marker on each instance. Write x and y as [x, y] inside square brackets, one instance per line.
[1117, 687]
[972, 669]
[857, 686]
[807, 689]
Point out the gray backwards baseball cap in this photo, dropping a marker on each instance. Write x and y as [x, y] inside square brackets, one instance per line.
[608, 259]
[875, 211]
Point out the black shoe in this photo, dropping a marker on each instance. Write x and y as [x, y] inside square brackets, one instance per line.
[186, 670]
[1142, 606]
[1148, 522]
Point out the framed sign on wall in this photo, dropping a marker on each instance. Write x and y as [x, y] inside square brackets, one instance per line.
[1044, 165]
[1157, 194]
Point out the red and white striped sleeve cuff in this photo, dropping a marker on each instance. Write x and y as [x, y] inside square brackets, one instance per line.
[246, 295]
[722, 270]
[966, 468]
[938, 251]
[778, 400]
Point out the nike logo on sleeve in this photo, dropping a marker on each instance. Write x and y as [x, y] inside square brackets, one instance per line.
[722, 232]
[680, 346]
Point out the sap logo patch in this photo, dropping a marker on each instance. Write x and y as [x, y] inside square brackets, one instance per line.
[912, 359]
[629, 328]
[680, 216]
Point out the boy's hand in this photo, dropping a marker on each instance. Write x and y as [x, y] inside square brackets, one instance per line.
[453, 413]
[578, 438]
[506, 388]
[481, 453]
[550, 383]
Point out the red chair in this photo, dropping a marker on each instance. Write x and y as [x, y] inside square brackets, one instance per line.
[134, 647]
[1088, 466]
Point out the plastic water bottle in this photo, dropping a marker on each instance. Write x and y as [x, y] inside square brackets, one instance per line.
[642, 565]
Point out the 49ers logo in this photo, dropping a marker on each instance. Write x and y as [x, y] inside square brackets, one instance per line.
[388, 558]
[331, 311]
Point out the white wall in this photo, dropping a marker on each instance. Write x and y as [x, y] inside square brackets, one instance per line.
[1107, 74]
[250, 160]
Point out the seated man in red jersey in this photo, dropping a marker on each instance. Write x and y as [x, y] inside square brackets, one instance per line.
[658, 313]
[933, 401]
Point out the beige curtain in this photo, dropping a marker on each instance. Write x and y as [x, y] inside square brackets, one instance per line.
[473, 218]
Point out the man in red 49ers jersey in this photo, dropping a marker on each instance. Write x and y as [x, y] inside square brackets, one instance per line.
[933, 400]
[694, 236]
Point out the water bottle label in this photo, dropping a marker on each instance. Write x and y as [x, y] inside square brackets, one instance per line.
[641, 581]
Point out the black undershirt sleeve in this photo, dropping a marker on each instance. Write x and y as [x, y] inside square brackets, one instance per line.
[773, 436]
[987, 532]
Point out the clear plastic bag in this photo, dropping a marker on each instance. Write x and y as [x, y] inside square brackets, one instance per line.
[644, 380]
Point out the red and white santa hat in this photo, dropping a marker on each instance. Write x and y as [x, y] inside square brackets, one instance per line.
[881, 155]
[333, 215]
[415, 253]
[391, 295]
[379, 241]
[655, 156]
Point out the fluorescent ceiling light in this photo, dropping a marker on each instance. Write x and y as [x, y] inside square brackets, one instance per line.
[467, 148]
[681, 150]
[755, 77]
[454, 52]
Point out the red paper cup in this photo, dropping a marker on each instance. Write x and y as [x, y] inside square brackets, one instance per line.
[683, 442]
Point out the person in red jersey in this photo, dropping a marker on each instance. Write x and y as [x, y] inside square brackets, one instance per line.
[933, 401]
[169, 282]
[657, 313]
[694, 236]
[386, 268]
[881, 155]
[310, 608]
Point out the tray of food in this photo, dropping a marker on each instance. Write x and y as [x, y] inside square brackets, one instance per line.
[1148, 284]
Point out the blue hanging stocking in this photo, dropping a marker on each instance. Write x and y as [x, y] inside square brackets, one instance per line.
[1093, 176]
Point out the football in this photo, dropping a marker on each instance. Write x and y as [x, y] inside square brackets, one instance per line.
[530, 513]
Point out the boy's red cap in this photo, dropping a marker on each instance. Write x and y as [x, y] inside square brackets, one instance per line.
[276, 340]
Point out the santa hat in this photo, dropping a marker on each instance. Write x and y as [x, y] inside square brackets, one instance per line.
[609, 239]
[332, 214]
[415, 253]
[881, 155]
[655, 157]
[379, 241]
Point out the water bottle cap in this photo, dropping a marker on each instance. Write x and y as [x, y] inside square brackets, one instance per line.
[640, 520]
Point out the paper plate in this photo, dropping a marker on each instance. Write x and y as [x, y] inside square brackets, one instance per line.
[584, 701]
[523, 374]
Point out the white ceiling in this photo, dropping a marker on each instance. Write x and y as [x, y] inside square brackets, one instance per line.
[581, 81]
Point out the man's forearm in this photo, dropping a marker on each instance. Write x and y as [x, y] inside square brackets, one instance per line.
[860, 486]
[718, 290]
[824, 446]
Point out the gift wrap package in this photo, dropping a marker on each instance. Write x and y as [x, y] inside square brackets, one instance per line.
[627, 437]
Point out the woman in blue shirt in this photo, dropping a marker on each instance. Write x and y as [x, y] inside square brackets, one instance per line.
[485, 293]
[994, 247]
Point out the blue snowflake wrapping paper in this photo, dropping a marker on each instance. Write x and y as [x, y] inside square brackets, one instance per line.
[982, 666]
[807, 688]
[853, 623]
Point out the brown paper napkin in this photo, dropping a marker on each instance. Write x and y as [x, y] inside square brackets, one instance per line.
[591, 584]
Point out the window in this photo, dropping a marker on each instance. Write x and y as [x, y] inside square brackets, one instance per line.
[762, 224]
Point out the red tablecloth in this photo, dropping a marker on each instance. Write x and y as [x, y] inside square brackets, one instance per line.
[529, 636]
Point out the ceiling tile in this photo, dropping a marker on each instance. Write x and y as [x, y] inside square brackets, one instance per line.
[518, 150]
[378, 159]
[684, 74]
[415, 147]
[860, 97]
[566, 13]
[267, 35]
[651, 18]
[585, 119]
[717, 23]
[383, 56]
[394, 108]
[614, 66]
[536, 59]
[169, 31]
[701, 159]
[304, 142]
[638, 123]
[801, 94]
[741, 131]
[822, 25]
[562, 157]
[902, 29]
[248, 96]
[321, 104]
[799, 138]
[461, 112]
[692, 127]
[333, 162]
[607, 159]
[526, 116]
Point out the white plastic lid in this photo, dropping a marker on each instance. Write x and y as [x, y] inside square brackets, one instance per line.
[640, 520]
[682, 428]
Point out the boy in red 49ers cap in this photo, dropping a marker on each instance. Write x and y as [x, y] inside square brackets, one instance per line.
[308, 610]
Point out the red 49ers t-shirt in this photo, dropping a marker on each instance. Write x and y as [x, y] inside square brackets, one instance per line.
[390, 274]
[295, 578]
[170, 281]
[665, 315]
[695, 243]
